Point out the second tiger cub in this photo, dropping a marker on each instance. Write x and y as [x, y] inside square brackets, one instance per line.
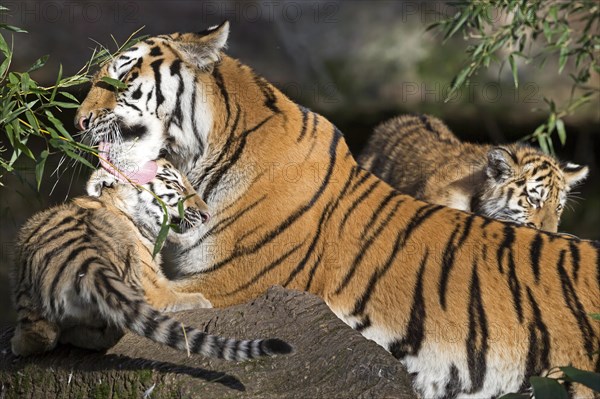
[420, 156]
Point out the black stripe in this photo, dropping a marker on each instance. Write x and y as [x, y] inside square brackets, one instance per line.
[539, 343]
[315, 124]
[477, 340]
[509, 238]
[377, 212]
[515, 286]
[157, 79]
[177, 114]
[198, 341]
[360, 182]
[304, 112]
[151, 324]
[175, 334]
[193, 117]
[575, 306]
[425, 120]
[356, 202]
[448, 257]
[364, 324]
[535, 251]
[453, 385]
[269, 93]
[420, 216]
[411, 343]
[575, 259]
[221, 85]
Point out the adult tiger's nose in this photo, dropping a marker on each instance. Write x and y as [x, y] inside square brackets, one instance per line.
[205, 216]
[83, 122]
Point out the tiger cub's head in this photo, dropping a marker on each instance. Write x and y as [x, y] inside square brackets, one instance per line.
[168, 193]
[526, 186]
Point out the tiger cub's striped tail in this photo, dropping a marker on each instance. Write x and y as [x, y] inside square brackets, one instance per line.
[127, 308]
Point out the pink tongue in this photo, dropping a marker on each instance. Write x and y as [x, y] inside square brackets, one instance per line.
[139, 175]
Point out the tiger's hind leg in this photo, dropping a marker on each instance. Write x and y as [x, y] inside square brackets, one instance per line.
[89, 337]
[33, 336]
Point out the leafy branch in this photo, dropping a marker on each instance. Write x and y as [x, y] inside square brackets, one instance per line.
[516, 31]
[29, 111]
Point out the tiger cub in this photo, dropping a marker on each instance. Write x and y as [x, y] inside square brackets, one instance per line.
[85, 271]
[420, 156]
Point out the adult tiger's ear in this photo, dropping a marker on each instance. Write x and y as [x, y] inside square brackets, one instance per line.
[204, 48]
[502, 163]
[574, 174]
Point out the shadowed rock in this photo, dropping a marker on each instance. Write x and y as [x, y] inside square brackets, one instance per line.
[330, 361]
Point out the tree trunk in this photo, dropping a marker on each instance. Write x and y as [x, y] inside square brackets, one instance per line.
[330, 361]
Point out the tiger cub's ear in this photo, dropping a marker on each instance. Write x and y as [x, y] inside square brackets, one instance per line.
[502, 163]
[574, 173]
[203, 48]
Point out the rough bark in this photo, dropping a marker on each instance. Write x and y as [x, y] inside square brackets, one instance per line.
[331, 360]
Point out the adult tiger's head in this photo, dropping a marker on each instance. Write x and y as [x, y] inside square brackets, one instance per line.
[167, 105]
[527, 186]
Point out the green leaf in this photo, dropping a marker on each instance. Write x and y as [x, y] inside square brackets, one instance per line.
[58, 79]
[63, 104]
[69, 96]
[40, 62]
[114, 82]
[58, 125]
[39, 168]
[22, 146]
[457, 82]
[562, 134]
[78, 157]
[514, 396]
[547, 388]
[14, 78]
[32, 120]
[543, 144]
[587, 378]
[513, 67]
[25, 80]
[595, 316]
[162, 236]
[551, 123]
[180, 209]
[12, 28]
[4, 66]
[4, 46]
[563, 58]
[457, 25]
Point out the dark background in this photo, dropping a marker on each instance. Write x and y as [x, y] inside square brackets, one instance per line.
[356, 62]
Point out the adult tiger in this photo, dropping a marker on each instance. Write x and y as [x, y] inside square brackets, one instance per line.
[472, 306]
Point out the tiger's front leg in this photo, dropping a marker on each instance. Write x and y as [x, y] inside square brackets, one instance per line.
[166, 295]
